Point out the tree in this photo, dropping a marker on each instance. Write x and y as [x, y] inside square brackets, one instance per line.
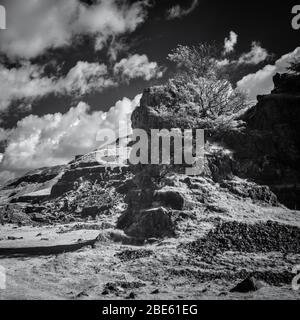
[198, 61]
[201, 81]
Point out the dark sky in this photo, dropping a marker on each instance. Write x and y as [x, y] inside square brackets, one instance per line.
[268, 22]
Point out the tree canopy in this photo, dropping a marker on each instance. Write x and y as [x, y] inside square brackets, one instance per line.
[201, 81]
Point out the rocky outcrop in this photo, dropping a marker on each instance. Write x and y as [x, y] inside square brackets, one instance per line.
[154, 202]
[160, 108]
[153, 198]
[266, 149]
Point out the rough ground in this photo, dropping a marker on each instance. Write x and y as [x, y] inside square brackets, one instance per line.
[86, 274]
[215, 247]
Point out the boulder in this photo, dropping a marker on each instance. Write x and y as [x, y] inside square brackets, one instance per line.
[248, 285]
[151, 223]
[169, 199]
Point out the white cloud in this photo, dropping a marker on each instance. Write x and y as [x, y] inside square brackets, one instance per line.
[55, 139]
[261, 82]
[137, 66]
[36, 26]
[28, 82]
[177, 11]
[229, 43]
[116, 47]
[107, 18]
[256, 55]
[84, 78]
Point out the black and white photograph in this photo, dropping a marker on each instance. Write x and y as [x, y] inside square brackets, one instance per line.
[149, 151]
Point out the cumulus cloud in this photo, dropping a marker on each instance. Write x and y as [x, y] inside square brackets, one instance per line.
[229, 43]
[54, 139]
[29, 82]
[36, 26]
[256, 55]
[137, 66]
[261, 82]
[84, 78]
[177, 12]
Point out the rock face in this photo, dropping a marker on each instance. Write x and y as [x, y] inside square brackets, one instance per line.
[268, 150]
